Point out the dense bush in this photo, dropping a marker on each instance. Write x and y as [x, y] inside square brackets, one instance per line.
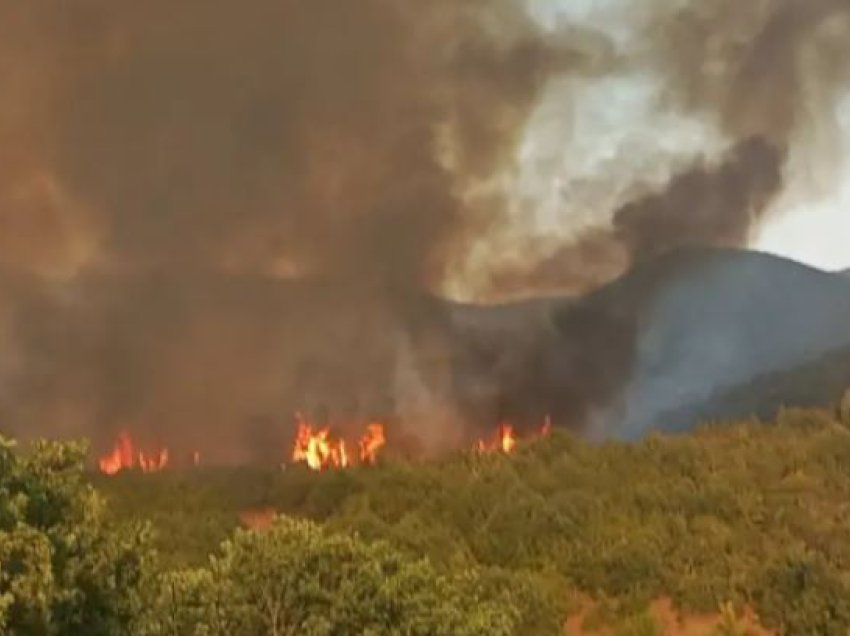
[63, 568]
[714, 517]
[742, 515]
[296, 578]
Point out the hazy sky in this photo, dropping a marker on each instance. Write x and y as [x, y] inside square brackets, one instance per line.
[812, 221]
[614, 128]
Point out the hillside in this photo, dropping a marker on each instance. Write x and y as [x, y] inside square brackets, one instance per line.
[753, 515]
[816, 384]
[665, 336]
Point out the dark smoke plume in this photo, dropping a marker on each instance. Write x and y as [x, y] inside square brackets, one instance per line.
[215, 213]
[765, 68]
[768, 74]
[228, 211]
[765, 74]
[705, 206]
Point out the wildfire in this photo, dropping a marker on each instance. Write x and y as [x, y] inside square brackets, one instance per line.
[505, 440]
[153, 462]
[372, 442]
[124, 457]
[316, 448]
[121, 457]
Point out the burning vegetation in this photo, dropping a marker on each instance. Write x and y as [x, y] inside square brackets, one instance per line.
[314, 446]
[505, 439]
[319, 450]
[125, 456]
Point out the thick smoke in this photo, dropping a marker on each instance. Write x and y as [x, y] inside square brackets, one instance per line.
[214, 214]
[229, 211]
[766, 68]
[766, 76]
[706, 205]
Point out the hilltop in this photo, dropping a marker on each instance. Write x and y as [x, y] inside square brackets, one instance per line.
[664, 337]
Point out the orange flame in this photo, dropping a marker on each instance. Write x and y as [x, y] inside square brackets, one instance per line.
[505, 439]
[121, 457]
[316, 448]
[372, 442]
[124, 457]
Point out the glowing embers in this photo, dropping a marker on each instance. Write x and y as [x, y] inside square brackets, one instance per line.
[316, 448]
[124, 456]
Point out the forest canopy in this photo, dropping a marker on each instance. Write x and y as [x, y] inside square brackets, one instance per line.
[735, 519]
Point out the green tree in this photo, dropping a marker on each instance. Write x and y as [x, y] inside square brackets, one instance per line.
[297, 578]
[64, 569]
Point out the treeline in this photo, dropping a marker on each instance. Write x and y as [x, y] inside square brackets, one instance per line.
[67, 569]
[734, 516]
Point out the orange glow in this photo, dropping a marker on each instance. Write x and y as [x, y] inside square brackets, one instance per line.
[196, 459]
[124, 457]
[315, 448]
[319, 451]
[339, 456]
[372, 442]
[505, 440]
[153, 462]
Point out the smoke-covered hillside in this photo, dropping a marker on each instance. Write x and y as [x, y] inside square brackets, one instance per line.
[667, 335]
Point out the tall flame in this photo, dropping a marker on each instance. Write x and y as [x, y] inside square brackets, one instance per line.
[372, 442]
[121, 457]
[319, 451]
[124, 457]
[315, 447]
[507, 438]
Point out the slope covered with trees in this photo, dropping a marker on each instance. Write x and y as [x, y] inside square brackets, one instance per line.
[740, 516]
